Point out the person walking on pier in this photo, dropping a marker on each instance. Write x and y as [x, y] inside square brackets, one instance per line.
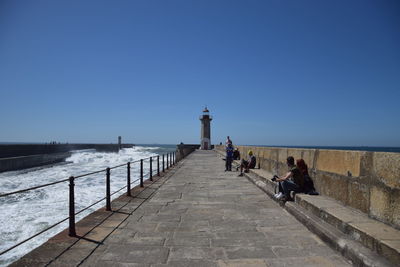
[293, 181]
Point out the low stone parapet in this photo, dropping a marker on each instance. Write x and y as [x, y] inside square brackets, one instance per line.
[366, 181]
[339, 225]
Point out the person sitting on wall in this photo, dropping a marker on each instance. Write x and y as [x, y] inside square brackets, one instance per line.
[292, 182]
[229, 157]
[236, 154]
[248, 164]
[308, 182]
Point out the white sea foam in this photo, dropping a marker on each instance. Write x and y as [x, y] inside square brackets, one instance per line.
[23, 215]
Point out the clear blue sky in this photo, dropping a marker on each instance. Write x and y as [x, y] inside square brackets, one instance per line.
[271, 72]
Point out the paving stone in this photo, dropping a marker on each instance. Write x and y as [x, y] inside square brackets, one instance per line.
[188, 241]
[196, 253]
[242, 263]
[312, 261]
[249, 253]
[135, 254]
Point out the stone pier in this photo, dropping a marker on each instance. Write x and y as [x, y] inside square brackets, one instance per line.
[197, 215]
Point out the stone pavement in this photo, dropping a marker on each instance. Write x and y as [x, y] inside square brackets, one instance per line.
[203, 216]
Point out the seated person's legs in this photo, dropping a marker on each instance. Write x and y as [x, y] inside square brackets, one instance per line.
[243, 165]
[280, 188]
[288, 186]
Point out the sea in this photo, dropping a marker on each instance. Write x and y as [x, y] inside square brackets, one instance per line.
[25, 214]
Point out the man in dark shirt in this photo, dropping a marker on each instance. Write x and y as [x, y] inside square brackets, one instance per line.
[229, 157]
[248, 164]
[293, 181]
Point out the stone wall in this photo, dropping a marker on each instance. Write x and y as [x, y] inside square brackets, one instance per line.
[182, 150]
[18, 163]
[367, 181]
[16, 157]
[8, 151]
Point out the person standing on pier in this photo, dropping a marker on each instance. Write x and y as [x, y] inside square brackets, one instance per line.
[228, 141]
[229, 157]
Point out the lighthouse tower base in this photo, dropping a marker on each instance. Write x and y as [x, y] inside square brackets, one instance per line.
[205, 144]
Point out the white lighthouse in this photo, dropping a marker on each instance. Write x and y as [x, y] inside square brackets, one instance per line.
[205, 140]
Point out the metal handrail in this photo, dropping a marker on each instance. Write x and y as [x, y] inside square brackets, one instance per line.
[32, 188]
[72, 178]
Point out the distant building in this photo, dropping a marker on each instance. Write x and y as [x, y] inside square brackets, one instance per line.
[205, 140]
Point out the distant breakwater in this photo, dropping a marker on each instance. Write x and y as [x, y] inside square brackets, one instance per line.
[22, 156]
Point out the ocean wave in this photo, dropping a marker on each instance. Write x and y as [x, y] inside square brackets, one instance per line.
[25, 214]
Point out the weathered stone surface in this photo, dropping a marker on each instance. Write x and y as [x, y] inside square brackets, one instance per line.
[282, 155]
[395, 203]
[380, 203]
[359, 196]
[339, 161]
[387, 168]
[242, 263]
[333, 186]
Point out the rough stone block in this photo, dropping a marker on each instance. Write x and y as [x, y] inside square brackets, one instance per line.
[391, 250]
[387, 168]
[308, 156]
[295, 153]
[281, 168]
[242, 262]
[268, 165]
[380, 203]
[333, 186]
[395, 207]
[359, 196]
[340, 162]
[271, 153]
[282, 155]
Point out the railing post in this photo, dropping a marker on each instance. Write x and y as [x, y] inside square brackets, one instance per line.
[158, 165]
[151, 168]
[128, 180]
[108, 190]
[173, 158]
[141, 173]
[167, 161]
[163, 169]
[72, 231]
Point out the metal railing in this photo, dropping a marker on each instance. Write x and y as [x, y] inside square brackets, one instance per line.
[171, 160]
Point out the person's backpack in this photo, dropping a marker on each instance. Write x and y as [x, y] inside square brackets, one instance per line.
[309, 186]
